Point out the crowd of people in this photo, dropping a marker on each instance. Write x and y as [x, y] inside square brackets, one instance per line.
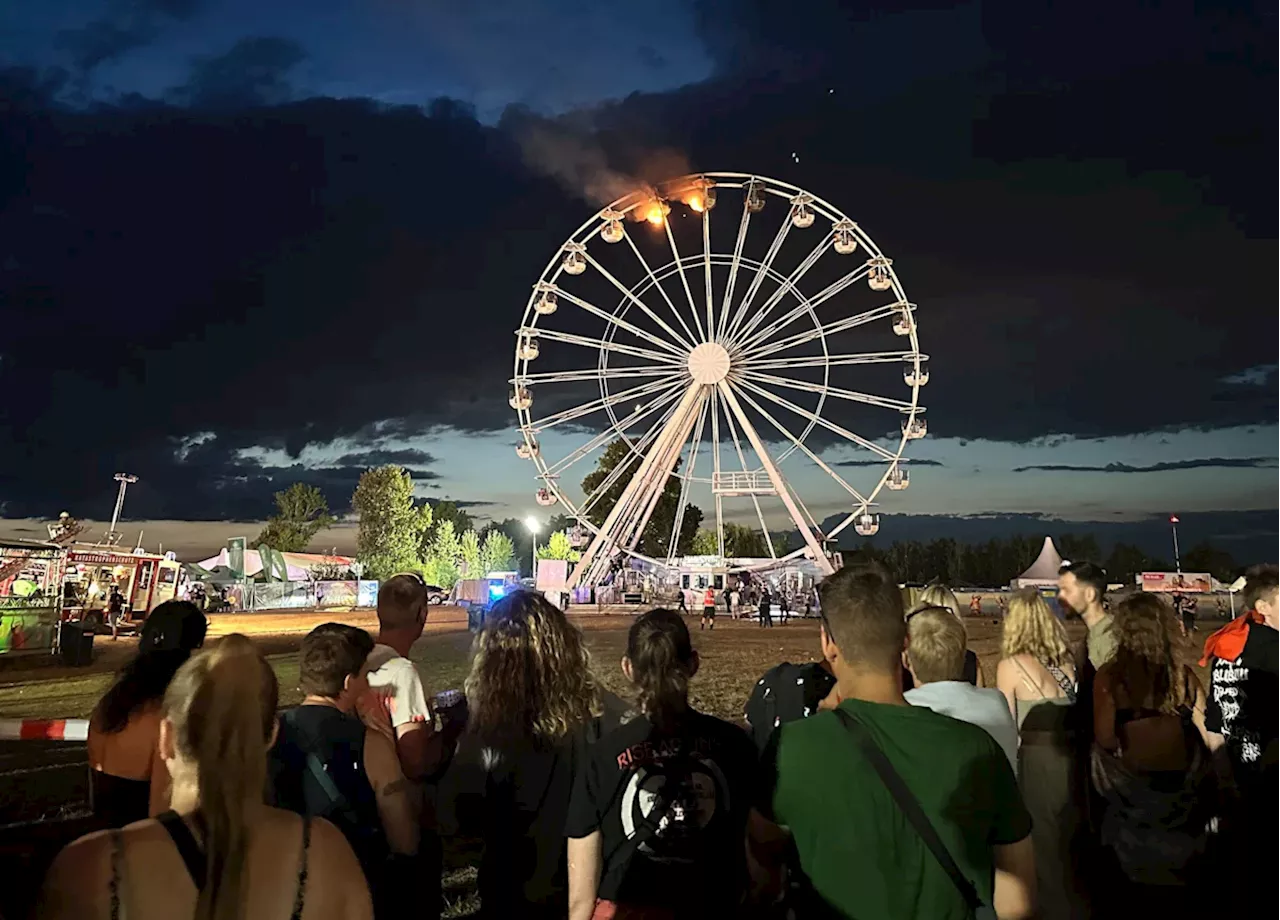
[884, 780]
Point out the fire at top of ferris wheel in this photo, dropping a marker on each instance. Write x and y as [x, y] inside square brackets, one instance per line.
[718, 353]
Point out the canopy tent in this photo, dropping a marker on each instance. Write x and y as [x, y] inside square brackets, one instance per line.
[1043, 573]
[298, 564]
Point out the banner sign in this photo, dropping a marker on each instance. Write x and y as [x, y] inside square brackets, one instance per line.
[1169, 582]
[80, 558]
[235, 556]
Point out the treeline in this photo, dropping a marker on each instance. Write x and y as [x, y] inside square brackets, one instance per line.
[997, 562]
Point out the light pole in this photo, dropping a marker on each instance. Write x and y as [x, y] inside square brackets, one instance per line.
[1177, 562]
[532, 523]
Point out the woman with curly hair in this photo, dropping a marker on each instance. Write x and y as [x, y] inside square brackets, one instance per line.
[1150, 760]
[1037, 675]
[533, 703]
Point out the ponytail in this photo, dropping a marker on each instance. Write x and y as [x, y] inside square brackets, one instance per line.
[223, 705]
[662, 661]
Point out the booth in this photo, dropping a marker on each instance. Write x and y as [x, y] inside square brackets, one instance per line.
[1043, 573]
[30, 594]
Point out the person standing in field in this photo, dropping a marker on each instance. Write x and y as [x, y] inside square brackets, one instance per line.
[708, 609]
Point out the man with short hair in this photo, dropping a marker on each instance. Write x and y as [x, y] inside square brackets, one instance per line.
[328, 763]
[936, 643]
[856, 847]
[1082, 587]
[402, 615]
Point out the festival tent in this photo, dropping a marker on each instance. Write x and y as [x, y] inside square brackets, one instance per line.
[298, 564]
[1043, 572]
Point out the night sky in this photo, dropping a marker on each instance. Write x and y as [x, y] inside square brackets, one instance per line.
[247, 243]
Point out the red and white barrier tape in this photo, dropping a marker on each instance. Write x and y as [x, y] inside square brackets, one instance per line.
[44, 729]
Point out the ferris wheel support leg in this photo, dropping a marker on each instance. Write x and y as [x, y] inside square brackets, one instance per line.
[614, 531]
[819, 556]
[663, 469]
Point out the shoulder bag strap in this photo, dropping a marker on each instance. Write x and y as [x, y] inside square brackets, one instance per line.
[909, 807]
[331, 790]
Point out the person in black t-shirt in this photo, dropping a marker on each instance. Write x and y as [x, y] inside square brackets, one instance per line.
[658, 814]
[784, 694]
[534, 706]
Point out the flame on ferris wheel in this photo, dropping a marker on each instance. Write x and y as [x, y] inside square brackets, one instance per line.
[712, 364]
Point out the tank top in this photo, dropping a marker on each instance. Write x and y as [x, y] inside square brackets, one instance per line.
[194, 859]
[317, 769]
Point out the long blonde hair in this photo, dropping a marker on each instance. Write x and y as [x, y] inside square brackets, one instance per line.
[937, 595]
[1030, 628]
[222, 704]
[531, 673]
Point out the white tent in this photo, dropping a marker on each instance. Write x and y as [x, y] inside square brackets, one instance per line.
[1043, 573]
[298, 564]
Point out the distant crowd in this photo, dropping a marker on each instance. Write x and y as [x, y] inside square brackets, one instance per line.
[885, 781]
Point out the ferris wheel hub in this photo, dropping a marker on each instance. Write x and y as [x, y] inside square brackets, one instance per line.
[709, 363]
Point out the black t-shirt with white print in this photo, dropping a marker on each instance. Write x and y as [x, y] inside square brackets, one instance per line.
[1243, 704]
[785, 693]
[671, 808]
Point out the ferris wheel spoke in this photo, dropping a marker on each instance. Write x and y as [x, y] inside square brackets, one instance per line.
[653, 280]
[715, 470]
[813, 417]
[608, 276]
[569, 338]
[804, 448]
[868, 357]
[761, 273]
[821, 332]
[683, 502]
[611, 432]
[742, 459]
[775, 477]
[684, 279]
[620, 323]
[817, 300]
[739, 335]
[597, 405]
[706, 268]
[597, 373]
[743, 223]
[623, 466]
[806, 386]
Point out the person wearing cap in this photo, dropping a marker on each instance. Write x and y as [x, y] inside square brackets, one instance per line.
[130, 780]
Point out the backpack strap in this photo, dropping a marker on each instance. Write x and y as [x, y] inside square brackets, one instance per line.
[192, 856]
[909, 807]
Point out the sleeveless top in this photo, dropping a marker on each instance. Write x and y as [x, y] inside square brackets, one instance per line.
[317, 769]
[194, 859]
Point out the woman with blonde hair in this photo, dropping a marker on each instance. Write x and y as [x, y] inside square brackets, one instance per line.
[220, 853]
[939, 595]
[1150, 761]
[533, 703]
[1037, 675]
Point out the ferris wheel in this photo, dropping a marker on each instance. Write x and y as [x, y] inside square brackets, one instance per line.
[710, 355]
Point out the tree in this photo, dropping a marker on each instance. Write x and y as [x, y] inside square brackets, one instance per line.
[470, 546]
[559, 547]
[442, 511]
[705, 543]
[743, 542]
[391, 525]
[497, 553]
[440, 564]
[301, 513]
[656, 538]
[1205, 557]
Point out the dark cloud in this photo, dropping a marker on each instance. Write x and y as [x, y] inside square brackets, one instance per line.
[370, 458]
[906, 461]
[282, 276]
[254, 72]
[1207, 463]
[126, 26]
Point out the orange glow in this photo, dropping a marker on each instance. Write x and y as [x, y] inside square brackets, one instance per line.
[655, 214]
[695, 202]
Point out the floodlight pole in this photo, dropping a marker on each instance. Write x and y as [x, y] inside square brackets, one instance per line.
[113, 536]
[1177, 562]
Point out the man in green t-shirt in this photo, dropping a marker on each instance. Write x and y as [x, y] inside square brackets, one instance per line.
[1082, 587]
[859, 854]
